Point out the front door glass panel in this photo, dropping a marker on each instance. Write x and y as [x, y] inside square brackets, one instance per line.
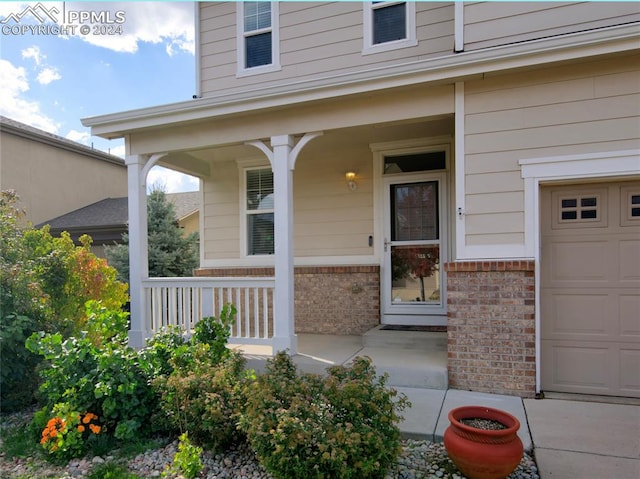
[415, 243]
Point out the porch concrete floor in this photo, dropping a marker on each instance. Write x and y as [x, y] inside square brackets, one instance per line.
[420, 374]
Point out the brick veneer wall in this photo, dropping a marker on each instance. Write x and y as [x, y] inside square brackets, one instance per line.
[491, 326]
[328, 299]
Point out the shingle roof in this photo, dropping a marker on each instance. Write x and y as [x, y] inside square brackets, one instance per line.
[107, 212]
[115, 212]
[185, 203]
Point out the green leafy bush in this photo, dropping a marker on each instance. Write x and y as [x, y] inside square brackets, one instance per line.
[108, 380]
[169, 346]
[44, 284]
[186, 461]
[342, 426]
[161, 347]
[18, 379]
[67, 433]
[205, 398]
[216, 332]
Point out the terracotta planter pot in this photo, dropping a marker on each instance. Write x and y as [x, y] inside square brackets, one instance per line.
[480, 453]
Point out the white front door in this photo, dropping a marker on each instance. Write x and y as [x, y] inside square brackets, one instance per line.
[414, 249]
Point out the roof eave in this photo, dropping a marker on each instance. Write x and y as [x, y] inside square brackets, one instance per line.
[454, 67]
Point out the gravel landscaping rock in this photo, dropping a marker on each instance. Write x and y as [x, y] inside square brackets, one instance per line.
[418, 460]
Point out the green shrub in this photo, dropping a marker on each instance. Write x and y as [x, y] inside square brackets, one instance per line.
[186, 461]
[216, 332]
[18, 379]
[68, 432]
[161, 347]
[205, 398]
[109, 381]
[342, 426]
[44, 284]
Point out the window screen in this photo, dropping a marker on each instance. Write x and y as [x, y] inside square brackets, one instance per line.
[260, 232]
[389, 22]
[257, 34]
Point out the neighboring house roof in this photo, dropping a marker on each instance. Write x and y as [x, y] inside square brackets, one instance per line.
[106, 220]
[108, 212]
[185, 203]
[20, 129]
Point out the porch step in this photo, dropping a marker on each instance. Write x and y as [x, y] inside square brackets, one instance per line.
[417, 367]
[420, 340]
[410, 367]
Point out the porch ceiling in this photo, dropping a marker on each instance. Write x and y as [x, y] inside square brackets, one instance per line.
[200, 162]
[414, 104]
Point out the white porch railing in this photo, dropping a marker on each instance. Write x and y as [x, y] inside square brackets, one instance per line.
[183, 302]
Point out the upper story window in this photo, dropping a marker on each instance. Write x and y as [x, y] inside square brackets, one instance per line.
[388, 26]
[258, 37]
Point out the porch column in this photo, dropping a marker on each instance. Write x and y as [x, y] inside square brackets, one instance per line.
[282, 156]
[284, 337]
[138, 258]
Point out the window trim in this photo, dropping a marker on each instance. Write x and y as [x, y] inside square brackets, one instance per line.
[244, 167]
[240, 43]
[411, 35]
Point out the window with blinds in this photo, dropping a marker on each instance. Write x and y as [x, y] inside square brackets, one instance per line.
[389, 21]
[258, 33]
[389, 25]
[259, 211]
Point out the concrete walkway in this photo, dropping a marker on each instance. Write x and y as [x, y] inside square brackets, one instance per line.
[584, 440]
[570, 439]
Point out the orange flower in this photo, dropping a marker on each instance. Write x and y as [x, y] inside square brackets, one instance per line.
[80, 428]
[88, 417]
[95, 429]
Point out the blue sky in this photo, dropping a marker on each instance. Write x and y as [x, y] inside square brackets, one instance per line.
[50, 81]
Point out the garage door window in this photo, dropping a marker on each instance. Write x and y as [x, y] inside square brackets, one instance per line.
[580, 209]
[630, 206]
[635, 206]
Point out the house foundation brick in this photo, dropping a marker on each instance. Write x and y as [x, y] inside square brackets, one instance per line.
[328, 299]
[491, 326]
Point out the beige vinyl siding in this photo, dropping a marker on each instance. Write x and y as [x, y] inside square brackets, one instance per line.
[580, 108]
[407, 104]
[221, 212]
[317, 40]
[489, 24]
[329, 218]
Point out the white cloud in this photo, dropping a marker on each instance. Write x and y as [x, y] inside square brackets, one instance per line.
[79, 136]
[170, 23]
[47, 75]
[34, 53]
[12, 102]
[171, 181]
[7, 8]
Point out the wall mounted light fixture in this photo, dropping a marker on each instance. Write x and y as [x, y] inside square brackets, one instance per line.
[351, 180]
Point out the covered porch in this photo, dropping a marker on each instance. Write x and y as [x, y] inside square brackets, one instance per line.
[345, 248]
[332, 251]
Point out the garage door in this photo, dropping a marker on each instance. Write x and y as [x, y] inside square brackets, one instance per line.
[590, 288]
